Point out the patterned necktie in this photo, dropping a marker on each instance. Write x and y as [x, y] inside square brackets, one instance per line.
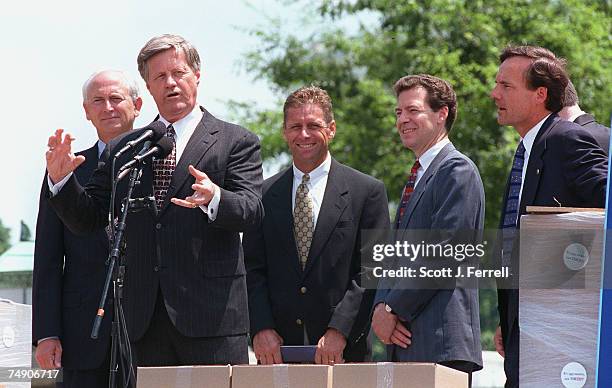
[408, 189]
[511, 208]
[303, 221]
[162, 171]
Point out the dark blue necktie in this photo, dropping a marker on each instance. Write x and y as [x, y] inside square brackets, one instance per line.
[511, 207]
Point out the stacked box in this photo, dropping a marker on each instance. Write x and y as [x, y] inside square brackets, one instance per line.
[560, 281]
[281, 376]
[200, 376]
[396, 375]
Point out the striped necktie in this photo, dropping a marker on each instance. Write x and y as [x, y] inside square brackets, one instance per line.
[511, 207]
[407, 192]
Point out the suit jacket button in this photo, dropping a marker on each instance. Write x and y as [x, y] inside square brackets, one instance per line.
[158, 226]
[303, 290]
[156, 268]
[298, 321]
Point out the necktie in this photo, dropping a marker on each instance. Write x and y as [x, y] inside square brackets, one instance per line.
[162, 171]
[408, 189]
[303, 221]
[511, 208]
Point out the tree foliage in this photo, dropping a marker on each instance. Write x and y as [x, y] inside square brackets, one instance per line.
[458, 40]
[5, 238]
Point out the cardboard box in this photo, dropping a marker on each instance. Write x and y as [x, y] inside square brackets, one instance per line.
[397, 375]
[560, 281]
[281, 376]
[200, 376]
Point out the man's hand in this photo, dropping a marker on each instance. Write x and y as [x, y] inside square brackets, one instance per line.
[266, 345]
[383, 323]
[204, 190]
[60, 159]
[49, 354]
[330, 348]
[401, 336]
[499, 342]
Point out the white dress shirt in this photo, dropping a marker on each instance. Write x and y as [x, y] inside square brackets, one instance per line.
[528, 141]
[316, 185]
[428, 157]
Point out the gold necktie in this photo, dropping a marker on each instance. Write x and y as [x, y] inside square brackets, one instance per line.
[303, 220]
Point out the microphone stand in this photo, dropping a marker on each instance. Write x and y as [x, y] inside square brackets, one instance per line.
[119, 347]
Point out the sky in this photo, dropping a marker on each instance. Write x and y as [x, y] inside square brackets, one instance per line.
[50, 48]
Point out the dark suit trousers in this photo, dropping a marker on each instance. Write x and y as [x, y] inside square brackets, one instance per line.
[511, 361]
[90, 378]
[163, 345]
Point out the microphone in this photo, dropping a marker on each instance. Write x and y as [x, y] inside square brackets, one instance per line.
[160, 151]
[154, 131]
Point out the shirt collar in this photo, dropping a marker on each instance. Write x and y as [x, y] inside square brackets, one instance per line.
[530, 136]
[187, 122]
[429, 155]
[320, 171]
[101, 147]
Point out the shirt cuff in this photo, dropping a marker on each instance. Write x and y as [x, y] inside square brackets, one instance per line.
[55, 188]
[213, 206]
[44, 339]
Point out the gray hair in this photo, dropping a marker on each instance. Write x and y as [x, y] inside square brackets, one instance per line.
[128, 82]
[165, 42]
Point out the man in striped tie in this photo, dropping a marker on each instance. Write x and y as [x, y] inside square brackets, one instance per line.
[424, 322]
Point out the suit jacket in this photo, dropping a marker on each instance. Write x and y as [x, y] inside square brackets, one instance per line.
[198, 264]
[69, 274]
[328, 293]
[599, 132]
[566, 166]
[444, 322]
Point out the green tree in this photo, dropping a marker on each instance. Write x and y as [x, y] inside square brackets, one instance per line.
[5, 238]
[458, 40]
[25, 234]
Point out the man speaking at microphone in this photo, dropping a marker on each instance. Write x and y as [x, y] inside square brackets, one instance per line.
[185, 296]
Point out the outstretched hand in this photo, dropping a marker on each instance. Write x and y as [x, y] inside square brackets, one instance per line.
[60, 159]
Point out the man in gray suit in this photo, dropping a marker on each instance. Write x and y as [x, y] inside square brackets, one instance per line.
[444, 193]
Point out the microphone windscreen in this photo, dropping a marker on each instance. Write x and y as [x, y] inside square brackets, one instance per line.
[165, 145]
[158, 128]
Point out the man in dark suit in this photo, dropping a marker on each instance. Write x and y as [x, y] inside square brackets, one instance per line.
[557, 163]
[185, 298]
[444, 193]
[69, 270]
[572, 112]
[304, 267]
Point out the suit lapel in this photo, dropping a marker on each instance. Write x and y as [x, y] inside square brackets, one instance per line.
[535, 164]
[335, 200]
[86, 170]
[203, 137]
[423, 183]
[281, 214]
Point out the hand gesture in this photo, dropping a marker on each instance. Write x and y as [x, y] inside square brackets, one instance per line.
[60, 159]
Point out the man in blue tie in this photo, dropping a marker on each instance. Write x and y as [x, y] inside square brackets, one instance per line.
[557, 163]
